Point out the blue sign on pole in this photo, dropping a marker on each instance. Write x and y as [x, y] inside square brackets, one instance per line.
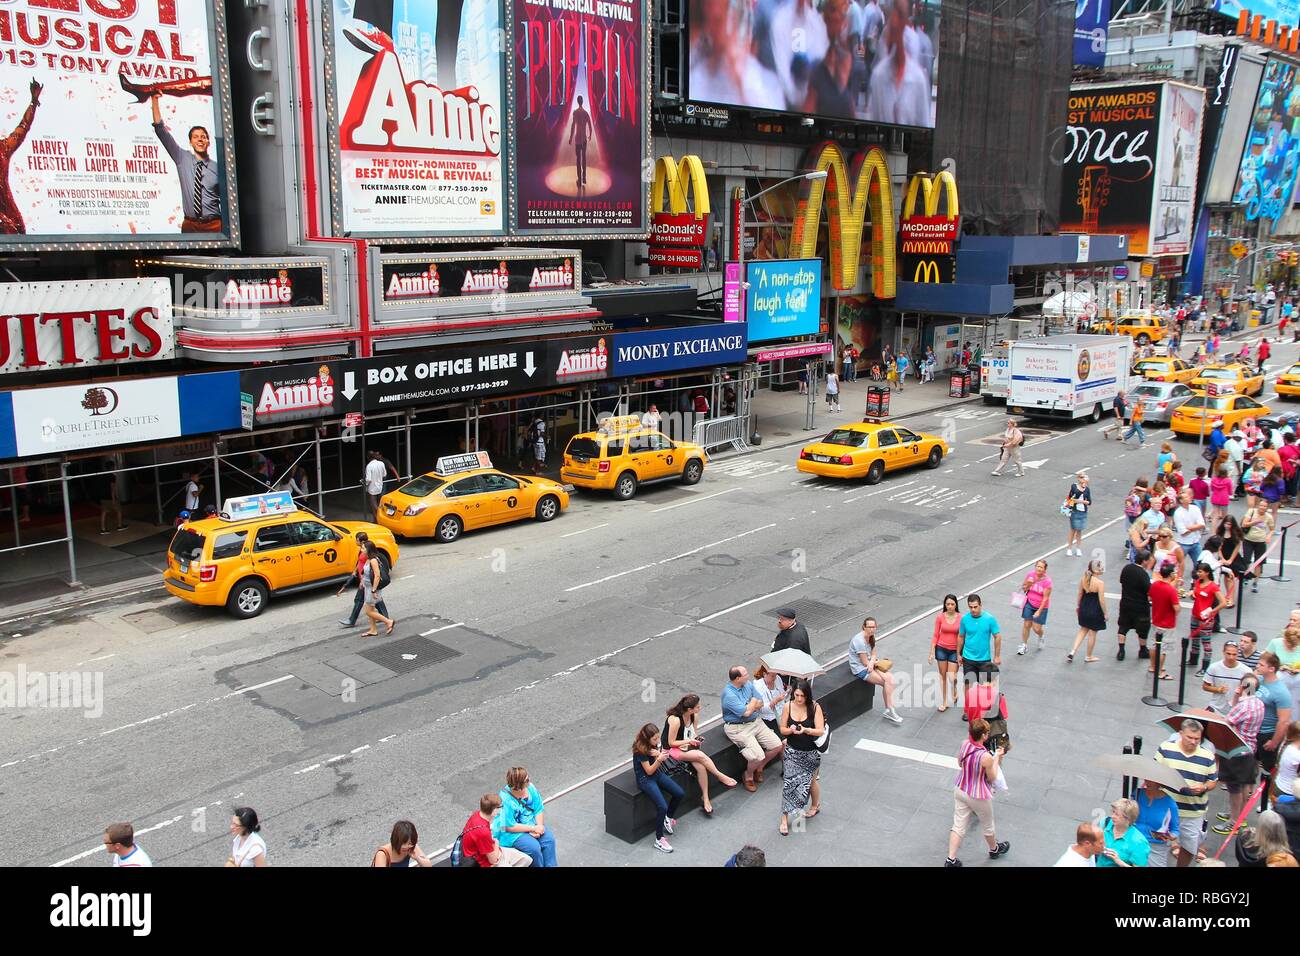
[669, 350]
[1091, 21]
[783, 299]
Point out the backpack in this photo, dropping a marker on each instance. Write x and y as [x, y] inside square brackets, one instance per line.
[1133, 505]
[385, 577]
[458, 857]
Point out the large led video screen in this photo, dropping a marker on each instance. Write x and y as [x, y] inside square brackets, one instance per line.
[1269, 161]
[874, 61]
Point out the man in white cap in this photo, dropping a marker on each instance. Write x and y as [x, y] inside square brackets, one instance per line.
[1235, 446]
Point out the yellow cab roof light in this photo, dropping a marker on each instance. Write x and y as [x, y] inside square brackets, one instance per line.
[618, 424]
[455, 464]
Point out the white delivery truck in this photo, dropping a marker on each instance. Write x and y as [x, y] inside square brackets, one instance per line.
[1068, 376]
[995, 374]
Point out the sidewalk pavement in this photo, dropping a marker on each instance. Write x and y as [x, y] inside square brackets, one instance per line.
[887, 790]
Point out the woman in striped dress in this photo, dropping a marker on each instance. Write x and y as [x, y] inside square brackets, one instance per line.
[977, 769]
[802, 722]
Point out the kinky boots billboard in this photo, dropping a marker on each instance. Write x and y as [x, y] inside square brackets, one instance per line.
[287, 393]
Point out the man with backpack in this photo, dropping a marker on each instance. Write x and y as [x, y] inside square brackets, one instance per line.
[536, 440]
[476, 842]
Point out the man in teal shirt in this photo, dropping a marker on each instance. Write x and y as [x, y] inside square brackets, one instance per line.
[979, 641]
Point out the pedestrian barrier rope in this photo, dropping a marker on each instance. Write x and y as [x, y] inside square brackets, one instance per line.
[1242, 819]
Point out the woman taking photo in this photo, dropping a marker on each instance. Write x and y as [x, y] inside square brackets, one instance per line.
[521, 822]
[402, 848]
[1257, 529]
[1077, 503]
[769, 686]
[683, 741]
[1091, 611]
[1037, 588]
[802, 722]
[1164, 548]
[943, 646]
[1232, 555]
[648, 762]
[1141, 534]
[371, 582]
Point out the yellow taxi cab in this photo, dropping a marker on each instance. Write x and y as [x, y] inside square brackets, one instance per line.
[1237, 377]
[1200, 412]
[264, 545]
[624, 454]
[1143, 327]
[465, 493]
[869, 449]
[1288, 383]
[1165, 370]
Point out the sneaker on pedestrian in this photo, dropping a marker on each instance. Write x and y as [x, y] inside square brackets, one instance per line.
[662, 844]
[1021, 650]
[1200, 673]
[1042, 642]
[951, 861]
[1119, 655]
[346, 624]
[892, 715]
[1223, 827]
[995, 474]
[1222, 816]
[669, 824]
[1144, 653]
[1001, 850]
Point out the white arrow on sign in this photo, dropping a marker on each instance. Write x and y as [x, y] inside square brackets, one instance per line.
[529, 367]
[349, 385]
[1035, 464]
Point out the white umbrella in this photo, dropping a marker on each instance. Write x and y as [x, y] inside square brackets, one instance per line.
[791, 662]
[1144, 768]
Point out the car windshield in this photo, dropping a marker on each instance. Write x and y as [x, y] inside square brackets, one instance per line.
[849, 437]
[1204, 401]
[422, 486]
[1151, 365]
[187, 545]
[1227, 373]
[1293, 370]
[584, 448]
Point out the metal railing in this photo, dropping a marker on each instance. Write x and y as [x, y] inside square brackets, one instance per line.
[728, 430]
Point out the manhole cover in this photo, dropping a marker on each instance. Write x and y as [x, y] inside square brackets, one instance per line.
[149, 621]
[816, 615]
[409, 654]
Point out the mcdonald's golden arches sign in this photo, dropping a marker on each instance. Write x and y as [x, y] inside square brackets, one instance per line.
[679, 233]
[928, 240]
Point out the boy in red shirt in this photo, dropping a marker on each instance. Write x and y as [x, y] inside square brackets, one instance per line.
[1207, 602]
[1164, 613]
[477, 843]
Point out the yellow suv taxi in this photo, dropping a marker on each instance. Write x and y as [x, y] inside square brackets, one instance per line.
[1144, 328]
[1234, 377]
[624, 454]
[240, 562]
[1288, 383]
[464, 493]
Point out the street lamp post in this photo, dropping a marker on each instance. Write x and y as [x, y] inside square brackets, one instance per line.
[741, 201]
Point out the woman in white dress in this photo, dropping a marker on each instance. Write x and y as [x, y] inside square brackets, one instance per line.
[249, 848]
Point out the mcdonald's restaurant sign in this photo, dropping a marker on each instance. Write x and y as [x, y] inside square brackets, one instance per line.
[849, 191]
[927, 241]
[679, 232]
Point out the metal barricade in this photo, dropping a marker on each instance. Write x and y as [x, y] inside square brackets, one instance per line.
[728, 430]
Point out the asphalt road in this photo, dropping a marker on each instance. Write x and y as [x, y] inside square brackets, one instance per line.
[557, 639]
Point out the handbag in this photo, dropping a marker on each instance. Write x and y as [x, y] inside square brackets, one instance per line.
[823, 742]
[883, 665]
[1018, 599]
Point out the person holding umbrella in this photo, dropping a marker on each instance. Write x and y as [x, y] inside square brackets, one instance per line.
[1157, 820]
[1196, 766]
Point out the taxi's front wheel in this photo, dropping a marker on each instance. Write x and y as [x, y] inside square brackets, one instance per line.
[691, 473]
[548, 508]
[247, 598]
[449, 529]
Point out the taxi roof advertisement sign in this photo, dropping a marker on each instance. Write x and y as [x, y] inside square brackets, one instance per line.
[417, 117]
[114, 126]
[783, 298]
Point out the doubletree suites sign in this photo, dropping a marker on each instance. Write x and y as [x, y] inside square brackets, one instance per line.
[439, 277]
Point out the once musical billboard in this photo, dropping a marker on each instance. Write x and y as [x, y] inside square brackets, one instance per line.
[417, 122]
[111, 125]
[581, 117]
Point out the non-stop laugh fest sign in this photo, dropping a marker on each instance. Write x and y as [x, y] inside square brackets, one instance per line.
[783, 298]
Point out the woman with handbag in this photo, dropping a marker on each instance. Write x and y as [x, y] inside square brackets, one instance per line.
[977, 772]
[684, 741]
[372, 581]
[648, 762]
[1033, 597]
[802, 723]
[864, 665]
[1091, 609]
[1077, 503]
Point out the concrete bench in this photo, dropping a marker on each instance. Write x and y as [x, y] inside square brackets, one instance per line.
[630, 814]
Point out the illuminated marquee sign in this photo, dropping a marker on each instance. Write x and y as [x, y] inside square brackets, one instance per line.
[849, 190]
[679, 233]
[927, 242]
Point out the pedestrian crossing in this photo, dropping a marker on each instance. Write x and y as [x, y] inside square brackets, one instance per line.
[914, 492]
[748, 467]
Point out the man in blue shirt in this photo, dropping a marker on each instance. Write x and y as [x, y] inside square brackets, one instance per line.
[744, 727]
[1217, 438]
[1157, 821]
[1278, 708]
[979, 641]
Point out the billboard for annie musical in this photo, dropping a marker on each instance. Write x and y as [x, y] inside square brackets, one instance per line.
[580, 116]
[417, 117]
[111, 125]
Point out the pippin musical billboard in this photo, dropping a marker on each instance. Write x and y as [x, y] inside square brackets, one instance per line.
[581, 117]
[111, 129]
[419, 122]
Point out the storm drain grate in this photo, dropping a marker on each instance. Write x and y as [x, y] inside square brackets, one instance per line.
[814, 614]
[409, 654]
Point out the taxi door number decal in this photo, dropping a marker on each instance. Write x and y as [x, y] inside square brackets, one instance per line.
[511, 501]
[331, 555]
